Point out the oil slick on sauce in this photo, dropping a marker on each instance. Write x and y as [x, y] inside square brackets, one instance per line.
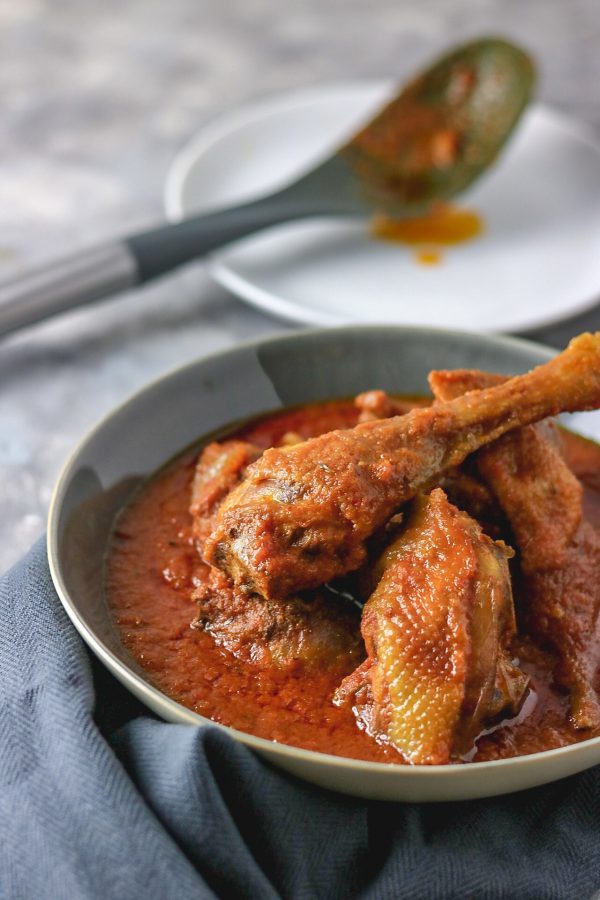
[427, 235]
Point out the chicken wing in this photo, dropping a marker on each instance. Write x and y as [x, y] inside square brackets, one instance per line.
[303, 513]
[437, 631]
[559, 548]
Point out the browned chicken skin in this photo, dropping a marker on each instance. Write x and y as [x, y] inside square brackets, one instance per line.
[281, 633]
[437, 630]
[379, 405]
[559, 549]
[302, 514]
[220, 468]
[319, 628]
[463, 489]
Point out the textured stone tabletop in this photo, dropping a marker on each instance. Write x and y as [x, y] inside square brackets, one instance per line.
[97, 98]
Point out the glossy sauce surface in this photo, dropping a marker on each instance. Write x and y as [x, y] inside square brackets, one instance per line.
[153, 568]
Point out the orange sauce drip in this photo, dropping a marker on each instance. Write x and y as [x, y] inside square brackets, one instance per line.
[442, 226]
[429, 257]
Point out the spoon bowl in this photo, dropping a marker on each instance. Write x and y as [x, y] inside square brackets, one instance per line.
[444, 129]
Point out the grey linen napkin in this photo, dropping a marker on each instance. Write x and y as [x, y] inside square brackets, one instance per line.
[98, 799]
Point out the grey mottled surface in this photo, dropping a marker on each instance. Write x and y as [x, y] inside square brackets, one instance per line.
[97, 98]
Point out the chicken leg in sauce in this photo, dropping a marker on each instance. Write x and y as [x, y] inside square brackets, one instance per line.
[316, 628]
[303, 514]
[559, 549]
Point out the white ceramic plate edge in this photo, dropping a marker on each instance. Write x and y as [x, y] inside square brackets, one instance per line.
[279, 306]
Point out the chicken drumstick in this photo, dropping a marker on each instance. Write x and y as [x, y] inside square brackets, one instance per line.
[311, 631]
[302, 514]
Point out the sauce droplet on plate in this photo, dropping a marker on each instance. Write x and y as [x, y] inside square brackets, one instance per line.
[442, 226]
[429, 257]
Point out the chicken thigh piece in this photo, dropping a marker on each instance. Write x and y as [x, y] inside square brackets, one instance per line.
[320, 628]
[437, 629]
[302, 514]
[559, 550]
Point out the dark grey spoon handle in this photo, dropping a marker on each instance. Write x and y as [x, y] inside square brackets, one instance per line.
[101, 271]
[71, 281]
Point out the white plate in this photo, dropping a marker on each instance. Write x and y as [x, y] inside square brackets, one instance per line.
[538, 261]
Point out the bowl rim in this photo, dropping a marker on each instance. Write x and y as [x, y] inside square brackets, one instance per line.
[143, 688]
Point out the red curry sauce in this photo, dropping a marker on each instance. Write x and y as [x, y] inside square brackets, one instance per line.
[153, 567]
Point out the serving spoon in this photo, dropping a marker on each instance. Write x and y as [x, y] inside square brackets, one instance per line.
[426, 145]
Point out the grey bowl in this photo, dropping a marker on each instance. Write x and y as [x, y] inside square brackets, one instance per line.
[173, 412]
